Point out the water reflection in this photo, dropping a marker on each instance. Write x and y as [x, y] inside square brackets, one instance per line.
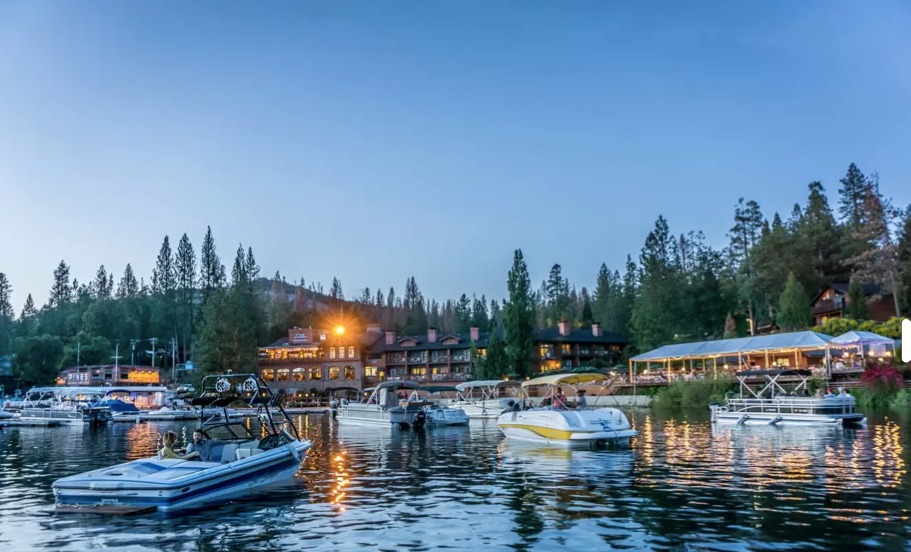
[682, 484]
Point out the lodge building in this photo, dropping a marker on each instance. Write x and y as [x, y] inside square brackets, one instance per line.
[323, 361]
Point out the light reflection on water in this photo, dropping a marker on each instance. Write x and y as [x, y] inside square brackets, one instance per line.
[683, 484]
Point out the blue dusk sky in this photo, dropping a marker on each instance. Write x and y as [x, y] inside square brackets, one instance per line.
[374, 140]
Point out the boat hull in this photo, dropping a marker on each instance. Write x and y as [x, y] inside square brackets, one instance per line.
[170, 485]
[774, 419]
[597, 427]
[369, 415]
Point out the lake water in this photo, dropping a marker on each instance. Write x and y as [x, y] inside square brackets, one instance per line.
[683, 485]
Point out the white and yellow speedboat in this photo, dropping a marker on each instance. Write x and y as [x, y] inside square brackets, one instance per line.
[563, 422]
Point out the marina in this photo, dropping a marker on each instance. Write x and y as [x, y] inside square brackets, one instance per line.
[684, 480]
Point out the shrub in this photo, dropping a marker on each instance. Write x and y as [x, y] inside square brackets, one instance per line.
[693, 393]
[882, 379]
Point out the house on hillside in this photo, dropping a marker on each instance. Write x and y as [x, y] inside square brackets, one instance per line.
[832, 300]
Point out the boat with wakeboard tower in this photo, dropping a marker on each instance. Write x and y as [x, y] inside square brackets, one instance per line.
[561, 422]
[236, 462]
[486, 398]
[781, 397]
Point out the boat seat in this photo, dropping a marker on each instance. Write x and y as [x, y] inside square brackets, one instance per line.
[246, 452]
[228, 453]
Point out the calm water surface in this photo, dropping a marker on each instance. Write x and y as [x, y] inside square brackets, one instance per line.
[683, 485]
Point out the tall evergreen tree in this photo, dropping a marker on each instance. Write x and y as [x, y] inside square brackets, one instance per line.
[335, 291]
[518, 317]
[496, 364]
[820, 232]
[903, 256]
[794, 310]
[211, 271]
[556, 297]
[857, 302]
[876, 258]
[6, 314]
[479, 317]
[744, 235]
[28, 318]
[185, 269]
[656, 314]
[128, 286]
[61, 291]
[100, 285]
[851, 196]
[462, 314]
[163, 275]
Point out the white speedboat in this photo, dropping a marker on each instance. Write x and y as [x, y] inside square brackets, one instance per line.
[486, 398]
[387, 406]
[780, 397]
[63, 405]
[235, 462]
[558, 425]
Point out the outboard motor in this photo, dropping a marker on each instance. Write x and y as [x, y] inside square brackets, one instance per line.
[420, 419]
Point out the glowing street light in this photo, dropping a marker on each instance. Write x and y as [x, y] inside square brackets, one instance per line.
[339, 330]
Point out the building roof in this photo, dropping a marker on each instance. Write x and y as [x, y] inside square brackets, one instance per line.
[581, 335]
[721, 347]
[842, 287]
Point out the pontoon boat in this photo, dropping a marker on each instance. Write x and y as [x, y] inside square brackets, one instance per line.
[780, 397]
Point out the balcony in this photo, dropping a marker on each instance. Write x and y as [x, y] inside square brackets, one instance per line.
[829, 305]
[439, 359]
[417, 360]
[396, 360]
[461, 358]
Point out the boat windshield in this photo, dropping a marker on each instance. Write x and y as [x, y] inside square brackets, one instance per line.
[228, 432]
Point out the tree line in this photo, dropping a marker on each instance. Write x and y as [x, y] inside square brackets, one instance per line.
[678, 289]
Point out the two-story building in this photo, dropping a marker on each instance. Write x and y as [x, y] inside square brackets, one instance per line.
[311, 360]
[317, 360]
[832, 300]
[108, 374]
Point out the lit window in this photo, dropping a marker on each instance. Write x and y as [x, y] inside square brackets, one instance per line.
[350, 352]
[297, 374]
[370, 371]
[331, 352]
[315, 373]
[349, 372]
[268, 374]
[333, 372]
[566, 348]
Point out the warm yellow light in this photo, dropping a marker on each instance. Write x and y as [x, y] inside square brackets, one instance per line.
[339, 330]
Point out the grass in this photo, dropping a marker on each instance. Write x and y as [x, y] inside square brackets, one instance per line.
[693, 393]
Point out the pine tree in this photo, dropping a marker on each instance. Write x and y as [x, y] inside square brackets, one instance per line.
[794, 310]
[239, 271]
[657, 313]
[496, 364]
[211, 271]
[61, 291]
[556, 297]
[730, 327]
[462, 314]
[128, 286]
[518, 317]
[6, 315]
[335, 291]
[903, 256]
[820, 232]
[163, 275]
[851, 196]
[587, 318]
[479, 317]
[857, 302]
[100, 285]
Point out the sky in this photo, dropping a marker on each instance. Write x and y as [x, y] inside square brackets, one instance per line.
[372, 141]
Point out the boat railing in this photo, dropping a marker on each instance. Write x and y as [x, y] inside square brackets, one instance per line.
[788, 405]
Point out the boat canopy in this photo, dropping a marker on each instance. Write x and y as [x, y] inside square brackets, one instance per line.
[737, 346]
[398, 385]
[438, 389]
[487, 383]
[566, 379]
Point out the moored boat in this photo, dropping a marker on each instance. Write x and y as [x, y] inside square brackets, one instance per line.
[556, 424]
[781, 397]
[387, 406]
[64, 405]
[235, 462]
[486, 398]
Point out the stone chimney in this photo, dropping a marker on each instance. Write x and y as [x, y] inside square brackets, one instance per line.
[475, 333]
[432, 335]
[563, 326]
[390, 337]
[596, 329]
[374, 328]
